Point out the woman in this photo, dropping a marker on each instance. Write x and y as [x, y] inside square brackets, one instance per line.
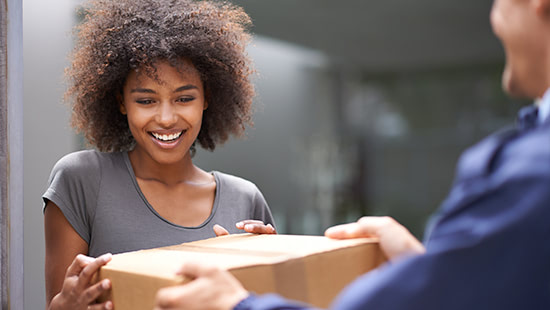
[149, 79]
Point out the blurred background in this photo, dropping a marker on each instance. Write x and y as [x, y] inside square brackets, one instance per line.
[363, 108]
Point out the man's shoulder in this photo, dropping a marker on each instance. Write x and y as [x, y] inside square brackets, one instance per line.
[507, 153]
[533, 144]
[529, 154]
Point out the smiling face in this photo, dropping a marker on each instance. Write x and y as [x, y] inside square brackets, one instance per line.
[164, 115]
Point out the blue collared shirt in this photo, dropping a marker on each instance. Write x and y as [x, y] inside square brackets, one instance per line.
[489, 248]
[544, 106]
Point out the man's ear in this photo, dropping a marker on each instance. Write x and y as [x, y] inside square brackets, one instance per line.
[542, 8]
[120, 101]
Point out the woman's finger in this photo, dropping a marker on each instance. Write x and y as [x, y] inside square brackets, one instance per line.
[94, 291]
[88, 272]
[259, 228]
[220, 231]
[241, 224]
[108, 305]
[78, 263]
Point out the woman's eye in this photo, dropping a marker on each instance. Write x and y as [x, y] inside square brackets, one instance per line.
[144, 101]
[185, 99]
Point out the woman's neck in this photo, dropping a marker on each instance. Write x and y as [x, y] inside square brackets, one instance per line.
[184, 171]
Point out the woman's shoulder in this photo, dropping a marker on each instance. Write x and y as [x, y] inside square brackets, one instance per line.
[85, 161]
[237, 191]
[235, 183]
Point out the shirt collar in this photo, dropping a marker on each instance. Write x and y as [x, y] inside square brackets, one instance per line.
[544, 106]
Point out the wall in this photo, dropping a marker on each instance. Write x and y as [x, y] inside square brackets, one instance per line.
[329, 143]
[47, 42]
[289, 110]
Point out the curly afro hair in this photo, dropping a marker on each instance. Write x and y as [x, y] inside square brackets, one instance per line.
[117, 36]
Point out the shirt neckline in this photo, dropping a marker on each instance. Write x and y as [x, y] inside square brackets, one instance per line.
[543, 105]
[150, 207]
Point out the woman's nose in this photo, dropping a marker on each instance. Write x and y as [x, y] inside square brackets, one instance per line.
[166, 116]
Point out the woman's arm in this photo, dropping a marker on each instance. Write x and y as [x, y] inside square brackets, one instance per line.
[68, 274]
[63, 244]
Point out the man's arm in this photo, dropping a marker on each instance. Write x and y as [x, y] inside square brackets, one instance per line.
[213, 288]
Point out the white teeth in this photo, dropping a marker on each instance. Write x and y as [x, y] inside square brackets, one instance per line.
[169, 137]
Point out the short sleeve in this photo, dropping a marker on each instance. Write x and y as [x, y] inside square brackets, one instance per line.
[240, 199]
[73, 186]
[261, 209]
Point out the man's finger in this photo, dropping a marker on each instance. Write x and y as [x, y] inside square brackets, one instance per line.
[220, 231]
[367, 226]
[352, 230]
[338, 231]
[169, 297]
[372, 225]
[194, 270]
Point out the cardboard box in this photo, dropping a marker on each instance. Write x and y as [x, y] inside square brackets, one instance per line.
[312, 269]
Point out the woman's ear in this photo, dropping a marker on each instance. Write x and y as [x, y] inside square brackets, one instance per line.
[205, 105]
[121, 106]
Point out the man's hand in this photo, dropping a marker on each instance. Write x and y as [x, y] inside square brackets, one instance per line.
[211, 288]
[395, 240]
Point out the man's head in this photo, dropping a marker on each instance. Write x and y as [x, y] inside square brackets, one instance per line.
[523, 26]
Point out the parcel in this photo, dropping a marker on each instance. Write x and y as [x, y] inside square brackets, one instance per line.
[312, 269]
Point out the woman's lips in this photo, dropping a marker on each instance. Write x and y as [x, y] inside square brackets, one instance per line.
[167, 137]
[167, 140]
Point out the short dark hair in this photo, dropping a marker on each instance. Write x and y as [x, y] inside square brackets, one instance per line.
[117, 36]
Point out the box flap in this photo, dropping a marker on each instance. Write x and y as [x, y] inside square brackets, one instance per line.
[290, 244]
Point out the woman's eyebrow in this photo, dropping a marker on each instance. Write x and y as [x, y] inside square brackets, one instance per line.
[143, 90]
[185, 87]
[150, 91]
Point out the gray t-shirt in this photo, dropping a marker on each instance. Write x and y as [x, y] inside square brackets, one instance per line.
[100, 197]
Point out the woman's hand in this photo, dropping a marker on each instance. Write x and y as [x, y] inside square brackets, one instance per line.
[395, 240]
[211, 288]
[250, 226]
[77, 291]
[68, 271]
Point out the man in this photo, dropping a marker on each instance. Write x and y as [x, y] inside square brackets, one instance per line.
[489, 245]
